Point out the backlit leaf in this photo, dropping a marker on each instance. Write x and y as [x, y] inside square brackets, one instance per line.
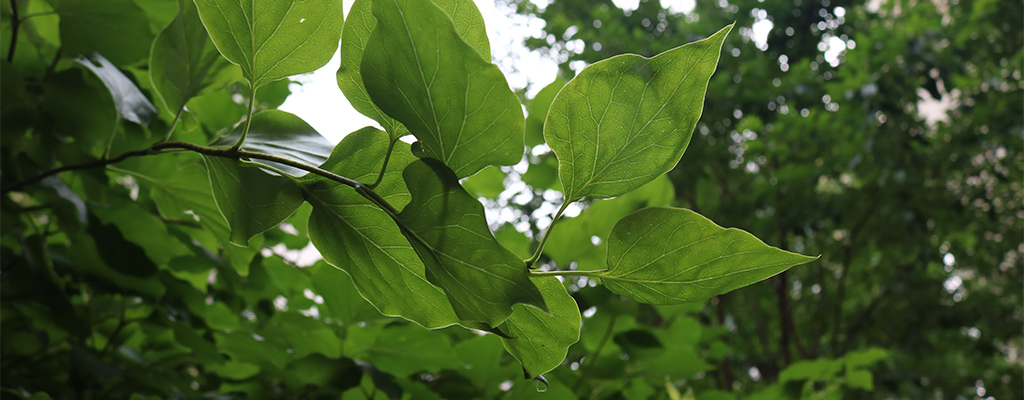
[667, 255]
[626, 120]
[447, 228]
[354, 235]
[540, 340]
[273, 39]
[418, 70]
[251, 200]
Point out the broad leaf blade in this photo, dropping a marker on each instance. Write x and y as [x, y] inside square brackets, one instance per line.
[184, 61]
[669, 255]
[419, 71]
[282, 134]
[360, 23]
[447, 228]
[625, 120]
[129, 101]
[540, 340]
[118, 29]
[358, 237]
[251, 200]
[273, 39]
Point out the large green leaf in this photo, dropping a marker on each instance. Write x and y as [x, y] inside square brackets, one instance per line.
[129, 102]
[251, 200]
[625, 120]
[273, 39]
[540, 340]
[401, 349]
[360, 23]
[117, 29]
[282, 134]
[184, 61]
[537, 109]
[358, 237]
[418, 70]
[447, 228]
[664, 255]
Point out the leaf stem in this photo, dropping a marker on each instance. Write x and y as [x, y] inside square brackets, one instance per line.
[15, 25]
[544, 239]
[174, 124]
[248, 118]
[387, 156]
[566, 273]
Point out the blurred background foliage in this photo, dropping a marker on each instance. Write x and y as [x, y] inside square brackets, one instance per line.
[885, 136]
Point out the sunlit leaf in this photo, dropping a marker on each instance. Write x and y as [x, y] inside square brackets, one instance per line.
[447, 228]
[538, 339]
[626, 120]
[418, 70]
[666, 255]
[273, 39]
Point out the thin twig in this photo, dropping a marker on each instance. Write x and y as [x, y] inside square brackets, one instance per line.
[15, 25]
[544, 239]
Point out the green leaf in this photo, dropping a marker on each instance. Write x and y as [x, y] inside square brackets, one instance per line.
[668, 255]
[861, 379]
[489, 183]
[626, 120]
[356, 236]
[282, 134]
[402, 349]
[184, 61]
[866, 357]
[342, 301]
[117, 29]
[360, 23]
[273, 39]
[251, 200]
[540, 340]
[447, 228]
[129, 102]
[419, 71]
[537, 110]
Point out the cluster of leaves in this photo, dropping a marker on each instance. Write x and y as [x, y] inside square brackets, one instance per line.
[917, 213]
[137, 272]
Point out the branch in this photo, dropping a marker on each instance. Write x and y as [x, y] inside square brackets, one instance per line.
[15, 25]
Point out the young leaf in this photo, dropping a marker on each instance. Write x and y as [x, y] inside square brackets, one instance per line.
[447, 228]
[540, 340]
[356, 236]
[664, 255]
[251, 200]
[418, 70]
[282, 134]
[184, 61]
[129, 101]
[464, 14]
[273, 39]
[626, 120]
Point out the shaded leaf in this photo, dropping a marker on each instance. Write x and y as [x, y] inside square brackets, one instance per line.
[667, 255]
[626, 120]
[447, 228]
[251, 200]
[540, 340]
[419, 71]
[282, 134]
[117, 29]
[404, 349]
[273, 39]
[358, 237]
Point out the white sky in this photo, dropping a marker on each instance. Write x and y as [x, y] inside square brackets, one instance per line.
[319, 102]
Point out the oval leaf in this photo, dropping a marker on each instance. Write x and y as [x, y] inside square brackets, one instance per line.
[447, 228]
[354, 235]
[419, 71]
[540, 340]
[664, 255]
[184, 61]
[273, 39]
[360, 23]
[625, 120]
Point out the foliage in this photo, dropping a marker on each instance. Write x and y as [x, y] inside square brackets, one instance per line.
[128, 273]
[820, 139]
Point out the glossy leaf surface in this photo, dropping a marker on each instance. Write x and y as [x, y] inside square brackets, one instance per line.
[354, 235]
[626, 120]
[669, 255]
[129, 101]
[184, 60]
[282, 134]
[273, 39]
[447, 228]
[418, 70]
[538, 339]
